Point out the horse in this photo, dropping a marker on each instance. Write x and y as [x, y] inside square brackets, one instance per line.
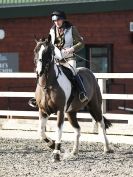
[53, 92]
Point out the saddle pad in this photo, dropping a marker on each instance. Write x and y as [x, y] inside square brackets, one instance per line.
[68, 73]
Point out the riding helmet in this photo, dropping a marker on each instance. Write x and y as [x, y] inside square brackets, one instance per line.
[56, 15]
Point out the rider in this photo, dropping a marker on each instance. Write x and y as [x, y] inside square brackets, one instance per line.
[66, 39]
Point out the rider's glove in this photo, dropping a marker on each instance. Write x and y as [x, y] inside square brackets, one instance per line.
[68, 50]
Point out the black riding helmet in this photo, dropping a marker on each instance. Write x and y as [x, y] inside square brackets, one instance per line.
[56, 15]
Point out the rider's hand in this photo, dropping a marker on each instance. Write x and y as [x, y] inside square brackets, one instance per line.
[68, 50]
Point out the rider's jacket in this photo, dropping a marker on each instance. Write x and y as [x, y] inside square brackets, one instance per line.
[70, 37]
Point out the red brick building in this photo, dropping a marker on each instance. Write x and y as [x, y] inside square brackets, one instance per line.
[104, 26]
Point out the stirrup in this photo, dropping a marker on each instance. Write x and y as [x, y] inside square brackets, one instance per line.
[83, 97]
[32, 103]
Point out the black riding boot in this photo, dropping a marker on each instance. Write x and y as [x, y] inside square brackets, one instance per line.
[32, 103]
[81, 88]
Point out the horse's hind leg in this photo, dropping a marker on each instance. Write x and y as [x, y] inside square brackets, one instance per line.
[96, 112]
[102, 132]
[43, 117]
[95, 126]
[73, 120]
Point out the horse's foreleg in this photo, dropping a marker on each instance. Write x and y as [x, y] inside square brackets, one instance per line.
[42, 125]
[43, 117]
[60, 121]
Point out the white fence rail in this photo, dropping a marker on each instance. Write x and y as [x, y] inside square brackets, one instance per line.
[102, 77]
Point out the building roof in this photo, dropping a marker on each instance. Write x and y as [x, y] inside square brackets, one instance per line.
[30, 8]
[35, 2]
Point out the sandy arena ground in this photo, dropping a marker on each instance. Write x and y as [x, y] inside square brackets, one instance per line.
[32, 158]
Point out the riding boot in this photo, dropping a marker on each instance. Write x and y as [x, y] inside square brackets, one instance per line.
[81, 88]
[32, 103]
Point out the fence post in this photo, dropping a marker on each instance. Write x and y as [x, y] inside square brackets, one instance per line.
[102, 85]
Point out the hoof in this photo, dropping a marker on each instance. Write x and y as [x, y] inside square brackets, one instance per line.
[41, 139]
[70, 156]
[52, 145]
[74, 153]
[56, 158]
[108, 151]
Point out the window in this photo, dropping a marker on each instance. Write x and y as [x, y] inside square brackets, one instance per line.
[95, 57]
[99, 57]
[98, 60]
[81, 58]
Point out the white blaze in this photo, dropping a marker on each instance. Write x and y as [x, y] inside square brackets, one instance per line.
[39, 63]
[41, 51]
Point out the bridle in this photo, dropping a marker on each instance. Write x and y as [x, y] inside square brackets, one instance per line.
[47, 65]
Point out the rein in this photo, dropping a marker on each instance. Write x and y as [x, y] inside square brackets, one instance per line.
[46, 72]
[80, 57]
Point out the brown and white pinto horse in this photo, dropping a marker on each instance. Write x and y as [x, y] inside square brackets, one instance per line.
[53, 92]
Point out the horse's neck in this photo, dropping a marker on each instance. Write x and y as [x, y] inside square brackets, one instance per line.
[42, 80]
[51, 76]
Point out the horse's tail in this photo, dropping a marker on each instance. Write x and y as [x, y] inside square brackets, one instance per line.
[107, 123]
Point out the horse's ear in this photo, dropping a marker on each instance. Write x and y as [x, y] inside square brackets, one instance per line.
[35, 38]
[49, 38]
[43, 39]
